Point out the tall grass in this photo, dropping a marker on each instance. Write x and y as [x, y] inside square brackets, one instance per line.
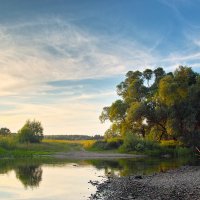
[84, 143]
[10, 147]
[8, 142]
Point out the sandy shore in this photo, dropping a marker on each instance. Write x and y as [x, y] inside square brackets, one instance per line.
[179, 184]
[92, 155]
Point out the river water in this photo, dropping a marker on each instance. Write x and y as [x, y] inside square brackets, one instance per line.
[45, 179]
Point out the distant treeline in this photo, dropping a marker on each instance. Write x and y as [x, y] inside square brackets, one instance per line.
[73, 137]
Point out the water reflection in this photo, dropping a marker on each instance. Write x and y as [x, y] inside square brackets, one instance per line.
[124, 167]
[29, 175]
[30, 172]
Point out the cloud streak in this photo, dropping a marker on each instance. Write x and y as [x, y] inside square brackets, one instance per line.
[35, 53]
[57, 50]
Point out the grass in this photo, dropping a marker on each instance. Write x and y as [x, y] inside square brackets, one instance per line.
[89, 145]
[11, 148]
[84, 143]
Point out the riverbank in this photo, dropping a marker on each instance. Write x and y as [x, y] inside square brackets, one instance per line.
[182, 183]
[59, 149]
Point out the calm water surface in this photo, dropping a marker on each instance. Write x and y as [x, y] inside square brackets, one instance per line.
[60, 180]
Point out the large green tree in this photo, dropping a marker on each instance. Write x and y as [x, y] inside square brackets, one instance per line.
[32, 132]
[168, 108]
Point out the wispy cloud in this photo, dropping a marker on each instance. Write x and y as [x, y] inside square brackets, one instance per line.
[37, 53]
[56, 50]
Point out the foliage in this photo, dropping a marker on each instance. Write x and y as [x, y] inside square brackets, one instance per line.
[170, 143]
[8, 142]
[5, 132]
[156, 105]
[84, 143]
[10, 147]
[134, 143]
[109, 144]
[32, 132]
[73, 137]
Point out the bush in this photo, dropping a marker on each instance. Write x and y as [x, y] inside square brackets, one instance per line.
[180, 151]
[130, 142]
[100, 145]
[114, 143]
[109, 144]
[170, 143]
[134, 143]
[139, 147]
[8, 143]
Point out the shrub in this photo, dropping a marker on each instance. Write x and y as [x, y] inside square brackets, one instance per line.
[108, 144]
[139, 147]
[114, 143]
[101, 145]
[134, 143]
[170, 143]
[180, 151]
[8, 142]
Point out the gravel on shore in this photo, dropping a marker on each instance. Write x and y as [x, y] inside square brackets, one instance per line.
[179, 184]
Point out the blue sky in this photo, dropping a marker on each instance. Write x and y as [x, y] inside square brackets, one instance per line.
[60, 60]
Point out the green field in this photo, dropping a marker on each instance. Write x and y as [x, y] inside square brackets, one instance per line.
[9, 147]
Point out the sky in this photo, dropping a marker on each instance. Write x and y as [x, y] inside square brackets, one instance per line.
[60, 60]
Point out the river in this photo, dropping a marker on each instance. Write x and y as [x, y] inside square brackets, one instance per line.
[46, 179]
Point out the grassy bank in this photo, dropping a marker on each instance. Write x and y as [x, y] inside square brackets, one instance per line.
[136, 145]
[11, 148]
[83, 143]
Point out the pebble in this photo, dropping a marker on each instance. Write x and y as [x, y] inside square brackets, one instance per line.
[182, 183]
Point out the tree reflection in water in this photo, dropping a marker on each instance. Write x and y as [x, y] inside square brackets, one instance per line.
[29, 171]
[144, 166]
[29, 175]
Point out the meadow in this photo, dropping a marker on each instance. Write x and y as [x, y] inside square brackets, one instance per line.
[83, 143]
[10, 147]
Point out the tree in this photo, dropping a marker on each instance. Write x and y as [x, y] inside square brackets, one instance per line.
[168, 109]
[116, 112]
[5, 132]
[32, 132]
[148, 75]
[180, 93]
